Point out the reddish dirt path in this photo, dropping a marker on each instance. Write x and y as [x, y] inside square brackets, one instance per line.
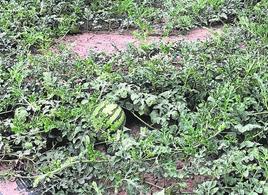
[111, 42]
[8, 187]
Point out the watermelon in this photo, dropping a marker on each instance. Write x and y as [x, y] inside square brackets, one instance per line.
[108, 116]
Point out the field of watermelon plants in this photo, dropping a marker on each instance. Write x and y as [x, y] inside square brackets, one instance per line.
[196, 113]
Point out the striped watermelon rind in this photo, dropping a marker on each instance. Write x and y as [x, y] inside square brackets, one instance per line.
[108, 116]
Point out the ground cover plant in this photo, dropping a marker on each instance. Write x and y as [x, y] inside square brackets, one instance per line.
[196, 113]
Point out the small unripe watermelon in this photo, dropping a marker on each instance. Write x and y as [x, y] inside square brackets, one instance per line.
[108, 116]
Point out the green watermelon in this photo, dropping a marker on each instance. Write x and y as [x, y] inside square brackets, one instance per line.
[108, 116]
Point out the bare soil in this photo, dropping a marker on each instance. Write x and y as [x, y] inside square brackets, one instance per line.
[8, 187]
[111, 42]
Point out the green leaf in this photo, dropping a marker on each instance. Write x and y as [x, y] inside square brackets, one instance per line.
[162, 192]
[248, 127]
[21, 114]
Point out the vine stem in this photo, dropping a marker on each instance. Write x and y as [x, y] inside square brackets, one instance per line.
[259, 113]
[142, 121]
[2, 156]
[101, 92]
[12, 110]
[32, 106]
[159, 187]
[66, 165]
[55, 171]
[6, 112]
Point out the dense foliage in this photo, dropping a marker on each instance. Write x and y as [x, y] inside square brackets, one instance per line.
[200, 109]
[33, 23]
